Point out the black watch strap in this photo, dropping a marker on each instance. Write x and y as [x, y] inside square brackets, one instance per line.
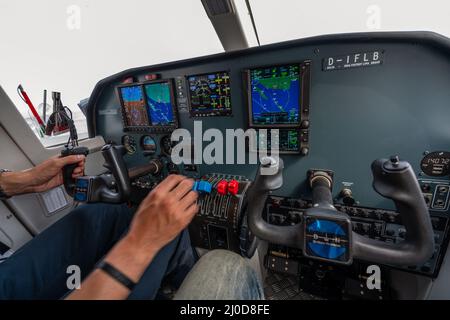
[3, 195]
[117, 275]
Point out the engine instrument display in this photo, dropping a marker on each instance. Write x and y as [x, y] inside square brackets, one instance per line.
[275, 96]
[209, 94]
[133, 106]
[287, 140]
[161, 104]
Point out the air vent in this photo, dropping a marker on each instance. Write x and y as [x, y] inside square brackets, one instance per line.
[218, 7]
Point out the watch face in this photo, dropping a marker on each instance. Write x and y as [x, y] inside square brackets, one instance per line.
[327, 239]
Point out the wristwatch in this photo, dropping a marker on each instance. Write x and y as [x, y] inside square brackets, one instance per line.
[3, 195]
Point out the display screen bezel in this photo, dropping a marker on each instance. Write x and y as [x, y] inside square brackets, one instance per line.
[149, 127]
[126, 125]
[216, 113]
[172, 101]
[304, 80]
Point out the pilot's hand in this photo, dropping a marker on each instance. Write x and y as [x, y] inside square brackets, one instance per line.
[48, 174]
[164, 213]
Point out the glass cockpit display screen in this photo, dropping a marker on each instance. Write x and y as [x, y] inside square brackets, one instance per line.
[275, 96]
[133, 106]
[287, 140]
[209, 94]
[160, 104]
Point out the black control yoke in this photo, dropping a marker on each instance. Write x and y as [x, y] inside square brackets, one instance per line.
[103, 188]
[113, 155]
[393, 179]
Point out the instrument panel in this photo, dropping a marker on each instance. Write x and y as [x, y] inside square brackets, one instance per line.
[336, 103]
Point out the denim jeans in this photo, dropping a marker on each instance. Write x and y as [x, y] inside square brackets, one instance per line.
[221, 275]
[39, 269]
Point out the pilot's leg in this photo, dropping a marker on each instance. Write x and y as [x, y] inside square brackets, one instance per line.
[221, 275]
[39, 269]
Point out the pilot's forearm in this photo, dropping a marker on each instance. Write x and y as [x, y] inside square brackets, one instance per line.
[15, 183]
[127, 258]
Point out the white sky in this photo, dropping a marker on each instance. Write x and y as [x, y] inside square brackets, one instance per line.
[42, 47]
[39, 50]
[280, 20]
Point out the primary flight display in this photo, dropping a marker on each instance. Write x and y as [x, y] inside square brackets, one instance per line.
[133, 106]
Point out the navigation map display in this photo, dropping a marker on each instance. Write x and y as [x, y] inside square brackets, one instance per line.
[160, 104]
[209, 94]
[133, 106]
[275, 96]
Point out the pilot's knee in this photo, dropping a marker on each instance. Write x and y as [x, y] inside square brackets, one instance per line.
[228, 263]
[221, 274]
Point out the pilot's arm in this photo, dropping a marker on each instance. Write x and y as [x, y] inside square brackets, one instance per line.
[162, 215]
[41, 178]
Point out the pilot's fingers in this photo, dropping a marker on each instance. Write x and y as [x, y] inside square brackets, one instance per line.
[77, 175]
[168, 184]
[188, 200]
[182, 189]
[191, 212]
[78, 170]
[78, 158]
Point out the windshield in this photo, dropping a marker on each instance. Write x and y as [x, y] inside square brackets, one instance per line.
[68, 46]
[292, 19]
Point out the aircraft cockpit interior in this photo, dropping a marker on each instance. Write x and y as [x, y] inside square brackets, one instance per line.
[322, 161]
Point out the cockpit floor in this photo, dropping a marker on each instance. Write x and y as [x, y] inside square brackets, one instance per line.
[279, 286]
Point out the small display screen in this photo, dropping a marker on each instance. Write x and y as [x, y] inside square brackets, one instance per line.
[275, 95]
[81, 190]
[160, 103]
[288, 140]
[133, 106]
[209, 94]
[327, 239]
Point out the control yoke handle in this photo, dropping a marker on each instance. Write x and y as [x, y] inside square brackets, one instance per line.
[101, 188]
[393, 179]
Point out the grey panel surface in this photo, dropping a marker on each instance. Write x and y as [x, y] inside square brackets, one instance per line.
[12, 233]
[440, 288]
